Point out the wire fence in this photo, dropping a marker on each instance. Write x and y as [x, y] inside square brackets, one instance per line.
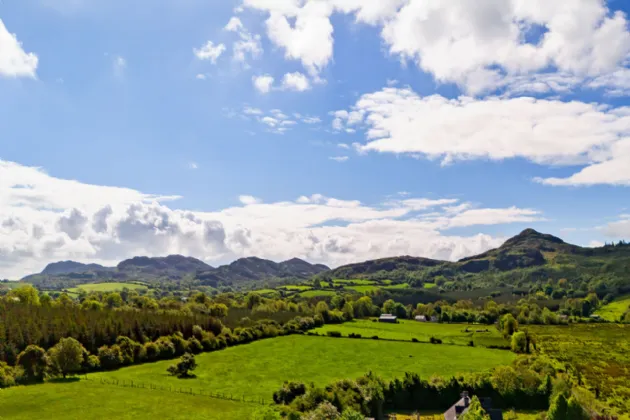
[179, 390]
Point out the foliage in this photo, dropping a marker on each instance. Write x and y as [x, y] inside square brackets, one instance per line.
[66, 356]
[475, 411]
[184, 368]
[519, 342]
[34, 362]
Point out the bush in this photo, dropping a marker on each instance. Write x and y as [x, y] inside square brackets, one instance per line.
[434, 340]
[353, 335]
[336, 334]
[184, 368]
[110, 357]
[471, 343]
[289, 392]
[9, 375]
[375, 337]
[415, 340]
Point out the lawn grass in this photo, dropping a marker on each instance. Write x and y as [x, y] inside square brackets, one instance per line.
[615, 309]
[405, 330]
[317, 293]
[106, 287]
[430, 285]
[86, 399]
[398, 286]
[258, 369]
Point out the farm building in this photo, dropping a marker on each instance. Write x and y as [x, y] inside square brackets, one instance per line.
[388, 318]
[421, 318]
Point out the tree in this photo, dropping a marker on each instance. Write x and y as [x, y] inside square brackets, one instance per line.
[475, 411]
[66, 356]
[519, 342]
[558, 408]
[575, 410]
[350, 414]
[389, 306]
[34, 362]
[184, 368]
[26, 294]
[509, 325]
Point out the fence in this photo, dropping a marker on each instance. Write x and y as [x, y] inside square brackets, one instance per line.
[179, 390]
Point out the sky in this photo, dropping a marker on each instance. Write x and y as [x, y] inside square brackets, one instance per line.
[335, 131]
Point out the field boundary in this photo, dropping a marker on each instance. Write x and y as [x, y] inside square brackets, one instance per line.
[178, 390]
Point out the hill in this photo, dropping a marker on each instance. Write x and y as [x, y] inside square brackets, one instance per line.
[526, 261]
[173, 268]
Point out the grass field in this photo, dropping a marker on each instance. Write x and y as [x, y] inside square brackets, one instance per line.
[362, 289]
[265, 291]
[430, 285]
[89, 399]
[316, 293]
[615, 309]
[398, 286]
[358, 282]
[297, 287]
[422, 331]
[258, 369]
[106, 287]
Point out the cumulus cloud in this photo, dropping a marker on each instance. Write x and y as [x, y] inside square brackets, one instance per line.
[543, 131]
[14, 61]
[480, 46]
[296, 82]
[263, 84]
[45, 219]
[209, 51]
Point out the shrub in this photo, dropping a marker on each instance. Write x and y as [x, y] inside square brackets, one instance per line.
[184, 368]
[110, 357]
[152, 351]
[415, 340]
[289, 392]
[375, 337]
[333, 334]
[435, 340]
[353, 335]
[471, 343]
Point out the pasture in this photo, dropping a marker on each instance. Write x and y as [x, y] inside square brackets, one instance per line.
[106, 287]
[258, 369]
[317, 293]
[615, 309]
[406, 330]
[90, 399]
[296, 287]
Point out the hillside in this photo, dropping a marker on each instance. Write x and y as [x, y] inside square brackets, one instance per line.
[172, 268]
[529, 258]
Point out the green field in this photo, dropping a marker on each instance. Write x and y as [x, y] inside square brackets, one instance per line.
[398, 286]
[430, 285]
[258, 369]
[317, 293]
[90, 399]
[106, 287]
[362, 289]
[406, 330]
[265, 291]
[297, 287]
[358, 282]
[614, 310]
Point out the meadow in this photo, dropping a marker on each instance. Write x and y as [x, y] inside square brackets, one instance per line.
[107, 287]
[258, 369]
[615, 309]
[599, 356]
[406, 330]
[90, 399]
[317, 293]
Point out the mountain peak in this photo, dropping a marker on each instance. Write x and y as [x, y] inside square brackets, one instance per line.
[531, 237]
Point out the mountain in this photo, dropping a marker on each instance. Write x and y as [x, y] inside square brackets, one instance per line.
[526, 259]
[253, 268]
[66, 267]
[171, 266]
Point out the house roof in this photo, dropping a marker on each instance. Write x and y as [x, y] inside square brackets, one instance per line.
[388, 316]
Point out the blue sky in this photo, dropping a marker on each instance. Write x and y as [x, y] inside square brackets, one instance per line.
[516, 112]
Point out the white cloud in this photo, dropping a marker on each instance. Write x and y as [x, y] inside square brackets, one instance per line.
[193, 165]
[252, 111]
[14, 61]
[479, 46]
[339, 159]
[311, 120]
[263, 83]
[296, 82]
[248, 43]
[209, 51]
[45, 219]
[619, 229]
[201, 76]
[595, 244]
[543, 131]
[343, 146]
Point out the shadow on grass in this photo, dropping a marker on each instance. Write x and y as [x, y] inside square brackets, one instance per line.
[64, 380]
